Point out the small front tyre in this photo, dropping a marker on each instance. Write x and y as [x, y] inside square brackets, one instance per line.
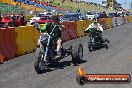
[90, 47]
[39, 64]
[106, 47]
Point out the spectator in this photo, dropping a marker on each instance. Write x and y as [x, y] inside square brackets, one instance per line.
[123, 14]
[100, 15]
[78, 14]
[13, 20]
[0, 20]
[22, 18]
[104, 15]
[117, 15]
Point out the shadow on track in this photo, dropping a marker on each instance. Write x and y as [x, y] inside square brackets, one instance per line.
[60, 65]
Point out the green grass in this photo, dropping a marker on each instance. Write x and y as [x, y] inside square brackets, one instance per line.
[8, 9]
[67, 5]
[83, 7]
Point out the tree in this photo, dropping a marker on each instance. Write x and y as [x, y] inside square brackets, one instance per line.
[110, 2]
[114, 1]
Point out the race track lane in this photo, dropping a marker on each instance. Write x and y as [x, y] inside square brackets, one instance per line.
[19, 72]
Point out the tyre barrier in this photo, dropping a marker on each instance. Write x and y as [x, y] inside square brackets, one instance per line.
[70, 31]
[10, 41]
[7, 43]
[13, 40]
[81, 26]
[85, 24]
[65, 35]
[2, 58]
[23, 39]
[28, 38]
[126, 19]
[2, 48]
[129, 19]
[104, 23]
[67, 25]
[121, 20]
[21, 46]
[8, 48]
[80, 32]
[109, 22]
[72, 34]
[73, 25]
[88, 22]
[34, 34]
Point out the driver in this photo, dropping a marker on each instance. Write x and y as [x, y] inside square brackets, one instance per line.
[57, 33]
[96, 25]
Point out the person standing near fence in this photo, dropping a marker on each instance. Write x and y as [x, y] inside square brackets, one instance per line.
[13, 17]
[104, 15]
[22, 18]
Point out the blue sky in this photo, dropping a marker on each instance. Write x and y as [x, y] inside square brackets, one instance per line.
[126, 6]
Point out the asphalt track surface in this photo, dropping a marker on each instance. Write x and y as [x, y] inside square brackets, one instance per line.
[20, 73]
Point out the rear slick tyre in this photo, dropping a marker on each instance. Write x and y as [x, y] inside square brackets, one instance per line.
[77, 53]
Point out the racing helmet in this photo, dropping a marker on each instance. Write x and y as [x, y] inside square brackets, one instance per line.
[47, 27]
[56, 18]
[43, 28]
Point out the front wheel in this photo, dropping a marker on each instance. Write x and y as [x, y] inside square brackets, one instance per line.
[106, 47]
[77, 53]
[39, 64]
[90, 47]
